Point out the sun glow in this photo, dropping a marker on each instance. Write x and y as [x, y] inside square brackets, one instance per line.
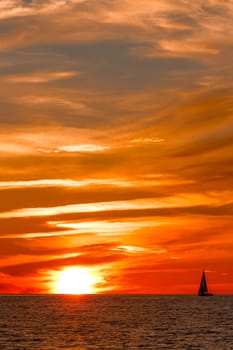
[75, 280]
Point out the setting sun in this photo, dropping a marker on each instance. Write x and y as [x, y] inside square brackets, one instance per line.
[75, 280]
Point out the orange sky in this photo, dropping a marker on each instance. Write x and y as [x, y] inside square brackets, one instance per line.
[116, 127]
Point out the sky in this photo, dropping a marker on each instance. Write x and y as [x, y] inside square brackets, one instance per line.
[116, 144]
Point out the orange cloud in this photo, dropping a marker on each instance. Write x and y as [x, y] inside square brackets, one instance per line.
[40, 77]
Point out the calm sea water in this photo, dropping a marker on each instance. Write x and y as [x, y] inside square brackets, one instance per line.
[116, 322]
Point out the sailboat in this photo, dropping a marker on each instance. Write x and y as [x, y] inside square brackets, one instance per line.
[203, 290]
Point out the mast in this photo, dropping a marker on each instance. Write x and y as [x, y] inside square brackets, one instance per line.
[204, 283]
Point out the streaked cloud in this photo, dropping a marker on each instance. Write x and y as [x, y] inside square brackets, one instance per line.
[56, 102]
[39, 78]
[82, 148]
[139, 250]
[102, 228]
[15, 8]
[171, 202]
[62, 182]
[147, 140]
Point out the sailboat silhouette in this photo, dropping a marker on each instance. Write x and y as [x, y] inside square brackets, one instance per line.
[203, 289]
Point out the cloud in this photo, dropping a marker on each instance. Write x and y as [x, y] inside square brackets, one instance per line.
[81, 148]
[56, 102]
[145, 21]
[64, 182]
[138, 250]
[16, 8]
[52, 192]
[182, 200]
[40, 77]
[31, 268]
[147, 140]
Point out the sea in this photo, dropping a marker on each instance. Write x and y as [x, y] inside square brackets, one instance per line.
[116, 322]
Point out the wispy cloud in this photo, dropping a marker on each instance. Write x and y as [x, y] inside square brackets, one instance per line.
[62, 183]
[56, 102]
[82, 148]
[147, 140]
[15, 8]
[40, 77]
[139, 250]
[172, 202]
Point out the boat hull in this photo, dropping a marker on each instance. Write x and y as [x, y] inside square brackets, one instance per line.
[205, 294]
